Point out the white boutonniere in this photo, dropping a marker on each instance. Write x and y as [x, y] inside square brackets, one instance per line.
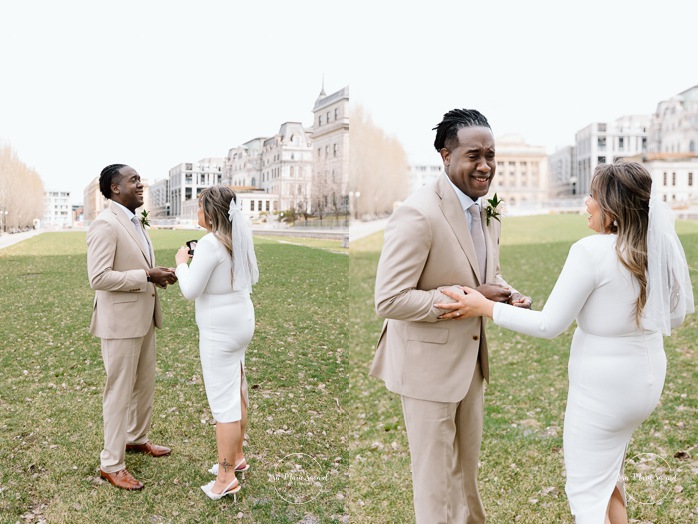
[491, 209]
[144, 219]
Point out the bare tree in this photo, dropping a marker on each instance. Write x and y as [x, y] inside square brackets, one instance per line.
[378, 168]
[21, 192]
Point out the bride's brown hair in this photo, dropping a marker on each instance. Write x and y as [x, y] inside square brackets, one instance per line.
[215, 201]
[622, 190]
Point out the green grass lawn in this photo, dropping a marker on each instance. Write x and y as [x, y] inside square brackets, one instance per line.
[521, 474]
[51, 381]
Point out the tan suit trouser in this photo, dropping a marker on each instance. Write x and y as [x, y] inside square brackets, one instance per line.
[127, 404]
[444, 439]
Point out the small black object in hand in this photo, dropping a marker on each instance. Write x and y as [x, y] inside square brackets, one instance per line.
[191, 244]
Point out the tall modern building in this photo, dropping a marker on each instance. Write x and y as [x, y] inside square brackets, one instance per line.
[189, 178]
[605, 142]
[330, 142]
[58, 209]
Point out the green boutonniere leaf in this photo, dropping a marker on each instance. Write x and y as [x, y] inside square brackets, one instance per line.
[144, 218]
[491, 209]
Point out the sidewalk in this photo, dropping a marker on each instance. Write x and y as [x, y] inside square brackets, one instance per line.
[358, 229]
[7, 239]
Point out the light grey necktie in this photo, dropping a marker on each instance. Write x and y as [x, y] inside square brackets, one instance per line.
[478, 239]
[141, 234]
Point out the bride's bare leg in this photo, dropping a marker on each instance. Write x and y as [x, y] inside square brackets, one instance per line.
[617, 513]
[228, 438]
[239, 455]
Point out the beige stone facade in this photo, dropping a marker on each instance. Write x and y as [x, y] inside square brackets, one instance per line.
[330, 143]
[522, 173]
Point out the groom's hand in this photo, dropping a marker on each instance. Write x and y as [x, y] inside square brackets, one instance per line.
[495, 292]
[162, 276]
[519, 300]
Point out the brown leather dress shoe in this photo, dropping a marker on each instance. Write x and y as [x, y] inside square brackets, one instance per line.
[122, 479]
[149, 449]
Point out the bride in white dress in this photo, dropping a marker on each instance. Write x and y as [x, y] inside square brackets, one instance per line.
[626, 287]
[220, 278]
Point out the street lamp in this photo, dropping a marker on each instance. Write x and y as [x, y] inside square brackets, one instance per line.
[354, 195]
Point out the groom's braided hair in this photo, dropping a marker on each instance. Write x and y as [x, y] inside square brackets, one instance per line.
[447, 129]
[106, 177]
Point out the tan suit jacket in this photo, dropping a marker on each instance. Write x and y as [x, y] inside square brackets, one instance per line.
[125, 302]
[428, 246]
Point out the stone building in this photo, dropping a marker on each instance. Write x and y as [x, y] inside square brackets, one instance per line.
[286, 167]
[243, 164]
[330, 143]
[522, 173]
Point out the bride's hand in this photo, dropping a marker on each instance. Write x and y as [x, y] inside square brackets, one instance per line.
[471, 304]
[182, 255]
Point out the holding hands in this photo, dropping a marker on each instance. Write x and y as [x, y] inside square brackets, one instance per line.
[162, 276]
[479, 302]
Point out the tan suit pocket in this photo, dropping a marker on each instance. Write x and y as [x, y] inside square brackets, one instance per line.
[124, 297]
[426, 334]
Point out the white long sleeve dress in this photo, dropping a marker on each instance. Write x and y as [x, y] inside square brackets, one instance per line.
[616, 370]
[226, 321]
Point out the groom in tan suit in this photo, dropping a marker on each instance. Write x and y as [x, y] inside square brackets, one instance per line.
[120, 266]
[441, 237]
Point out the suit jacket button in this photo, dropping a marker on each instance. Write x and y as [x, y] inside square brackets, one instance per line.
[153, 294]
[475, 337]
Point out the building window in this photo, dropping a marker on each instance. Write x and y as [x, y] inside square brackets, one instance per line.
[251, 205]
[665, 179]
[327, 150]
[187, 179]
[259, 205]
[601, 160]
[334, 149]
[328, 117]
[673, 179]
[336, 113]
[319, 120]
[267, 205]
[319, 152]
[620, 144]
[690, 179]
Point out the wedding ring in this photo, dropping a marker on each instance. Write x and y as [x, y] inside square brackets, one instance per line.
[457, 313]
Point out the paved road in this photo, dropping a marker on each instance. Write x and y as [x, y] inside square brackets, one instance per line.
[359, 229]
[7, 239]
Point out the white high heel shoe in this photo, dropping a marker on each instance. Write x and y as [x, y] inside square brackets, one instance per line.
[227, 491]
[240, 467]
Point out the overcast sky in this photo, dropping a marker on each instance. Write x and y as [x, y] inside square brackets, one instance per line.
[152, 83]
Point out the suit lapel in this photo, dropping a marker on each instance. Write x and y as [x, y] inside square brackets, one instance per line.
[455, 216]
[128, 226]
